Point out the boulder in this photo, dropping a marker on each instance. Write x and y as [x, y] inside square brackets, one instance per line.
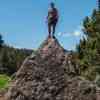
[48, 75]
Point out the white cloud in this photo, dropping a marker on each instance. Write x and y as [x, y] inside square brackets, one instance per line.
[78, 31]
[75, 33]
[62, 34]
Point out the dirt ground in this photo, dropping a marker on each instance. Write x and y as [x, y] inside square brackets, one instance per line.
[2, 98]
[2, 95]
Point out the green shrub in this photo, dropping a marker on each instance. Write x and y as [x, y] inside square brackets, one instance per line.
[4, 81]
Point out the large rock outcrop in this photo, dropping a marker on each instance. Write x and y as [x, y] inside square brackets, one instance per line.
[49, 75]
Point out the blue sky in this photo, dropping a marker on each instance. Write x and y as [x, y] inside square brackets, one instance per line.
[23, 22]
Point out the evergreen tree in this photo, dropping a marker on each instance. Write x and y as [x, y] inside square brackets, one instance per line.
[89, 48]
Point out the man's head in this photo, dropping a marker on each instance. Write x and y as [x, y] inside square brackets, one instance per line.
[52, 5]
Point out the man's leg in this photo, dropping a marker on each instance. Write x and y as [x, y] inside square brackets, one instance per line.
[54, 27]
[49, 29]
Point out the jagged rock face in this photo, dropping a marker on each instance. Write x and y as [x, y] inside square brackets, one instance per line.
[45, 76]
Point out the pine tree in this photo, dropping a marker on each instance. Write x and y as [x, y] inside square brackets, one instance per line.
[89, 48]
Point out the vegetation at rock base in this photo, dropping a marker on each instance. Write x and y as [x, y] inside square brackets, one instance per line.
[4, 81]
[89, 48]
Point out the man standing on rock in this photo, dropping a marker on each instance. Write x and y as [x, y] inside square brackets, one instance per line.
[52, 19]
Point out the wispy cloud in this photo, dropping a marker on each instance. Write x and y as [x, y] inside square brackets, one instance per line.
[75, 33]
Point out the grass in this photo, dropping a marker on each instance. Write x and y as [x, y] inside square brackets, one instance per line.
[4, 81]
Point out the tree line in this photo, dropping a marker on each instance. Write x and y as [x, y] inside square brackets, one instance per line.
[11, 58]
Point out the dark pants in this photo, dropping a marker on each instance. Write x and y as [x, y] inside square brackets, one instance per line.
[52, 27]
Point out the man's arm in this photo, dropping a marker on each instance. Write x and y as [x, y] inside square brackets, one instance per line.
[57, 14]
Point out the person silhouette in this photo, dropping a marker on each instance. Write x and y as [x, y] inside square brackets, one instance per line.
[52, 19]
